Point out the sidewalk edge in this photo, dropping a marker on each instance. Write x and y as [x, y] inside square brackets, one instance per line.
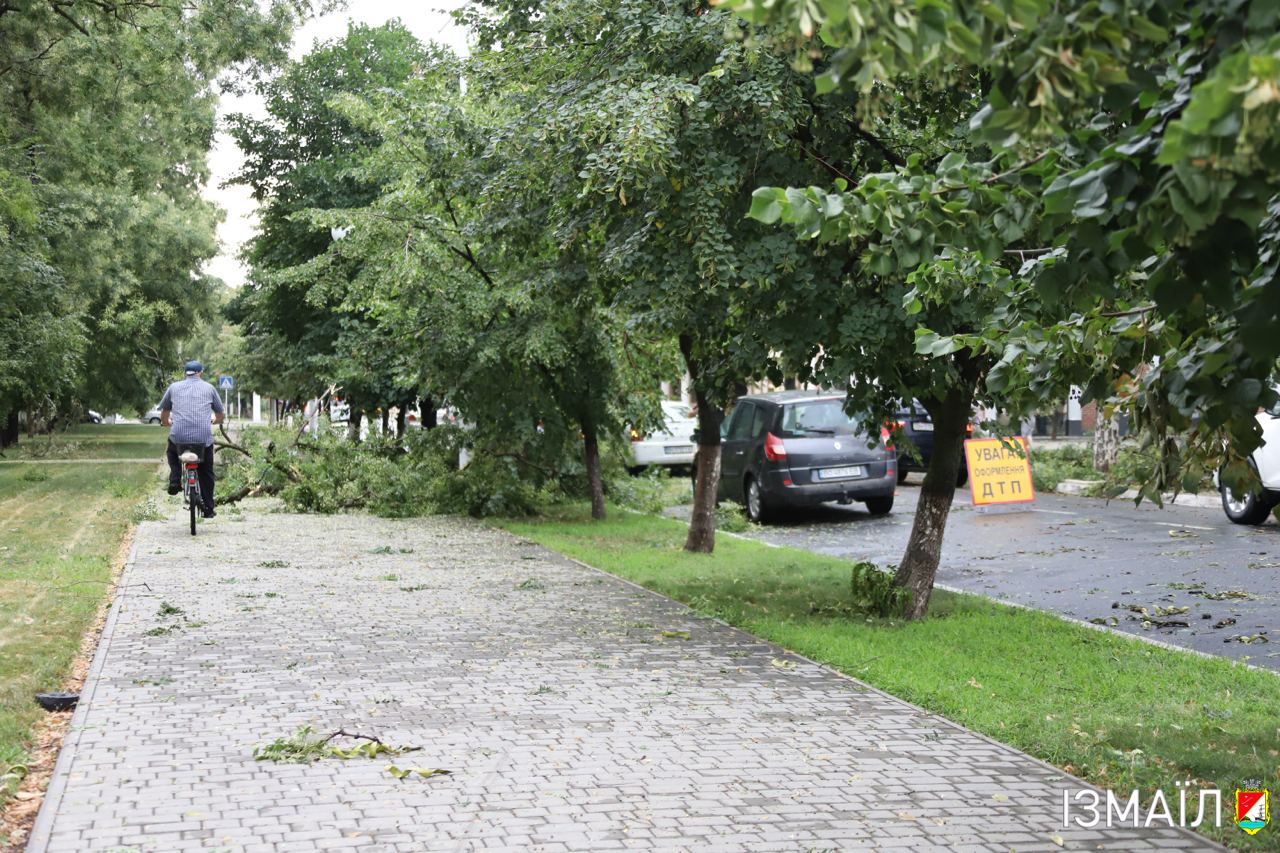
[42, 829]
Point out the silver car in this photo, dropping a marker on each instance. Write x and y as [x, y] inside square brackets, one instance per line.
[152, 416]
[671, 445]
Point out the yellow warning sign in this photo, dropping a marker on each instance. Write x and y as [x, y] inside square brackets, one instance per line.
[998, 472]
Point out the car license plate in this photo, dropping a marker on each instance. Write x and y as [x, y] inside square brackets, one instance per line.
[925, 427]
[678, 448]
[841, 473]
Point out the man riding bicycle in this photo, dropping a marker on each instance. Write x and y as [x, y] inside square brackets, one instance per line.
[185, 409]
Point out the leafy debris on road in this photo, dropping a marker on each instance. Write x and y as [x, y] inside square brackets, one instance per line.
[1228, 593]
[1249, 639]
[304, 747]
[424, 772]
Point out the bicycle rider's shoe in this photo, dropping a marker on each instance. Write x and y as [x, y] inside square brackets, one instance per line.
[174, 488]
[208, 512]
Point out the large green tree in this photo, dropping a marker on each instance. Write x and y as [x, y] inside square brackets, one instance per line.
[649, 129]
[1113, 206]
[302, 332]
[459, 261]
[106, 114]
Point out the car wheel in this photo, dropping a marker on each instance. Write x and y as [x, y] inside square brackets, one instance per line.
[636, 470]
[757, 510]
[880, 506]
[154, 421]
[1249, 508]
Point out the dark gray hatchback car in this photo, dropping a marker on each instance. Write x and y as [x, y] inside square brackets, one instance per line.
[799, 448]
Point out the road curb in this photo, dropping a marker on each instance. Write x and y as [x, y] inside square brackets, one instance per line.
[1081, 488]
[42, 828]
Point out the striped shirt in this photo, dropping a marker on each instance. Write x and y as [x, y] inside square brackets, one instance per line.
[190, 402]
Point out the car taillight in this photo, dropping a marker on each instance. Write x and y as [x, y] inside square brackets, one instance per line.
[774, 449]
[968, 430]
[887, 430]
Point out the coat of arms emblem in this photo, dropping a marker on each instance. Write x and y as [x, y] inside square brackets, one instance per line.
[1252, 810]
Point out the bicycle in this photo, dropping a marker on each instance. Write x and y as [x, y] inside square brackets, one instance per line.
[191, 498]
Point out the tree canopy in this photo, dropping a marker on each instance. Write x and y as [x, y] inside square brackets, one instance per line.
[1107, 202]
[106, 116]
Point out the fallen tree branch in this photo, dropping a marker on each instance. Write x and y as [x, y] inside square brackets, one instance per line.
[355, 735]
[228, 444]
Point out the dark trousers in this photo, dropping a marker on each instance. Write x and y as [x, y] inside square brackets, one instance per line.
[204, 472]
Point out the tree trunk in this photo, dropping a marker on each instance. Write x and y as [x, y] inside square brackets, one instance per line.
[11, 432]
[595, 479]
[429, 413]
[401, 419]
[702, 524]
[386, 421]
[354, 419]
[1106, 443]
[919, 563]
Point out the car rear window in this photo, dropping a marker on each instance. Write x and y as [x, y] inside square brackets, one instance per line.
[817, 417]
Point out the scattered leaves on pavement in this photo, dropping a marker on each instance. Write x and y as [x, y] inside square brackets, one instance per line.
[424, 772]
[304, 747]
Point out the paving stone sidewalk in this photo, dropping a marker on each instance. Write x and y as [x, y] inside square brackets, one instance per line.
[576, 711]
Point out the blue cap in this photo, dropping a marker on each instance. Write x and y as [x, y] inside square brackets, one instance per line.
[193, 367]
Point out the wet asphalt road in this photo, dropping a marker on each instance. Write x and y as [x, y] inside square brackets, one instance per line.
[1079, 557]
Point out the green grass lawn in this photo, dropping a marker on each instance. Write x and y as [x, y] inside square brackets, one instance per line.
[60, 527]
[94, 441]
[1118, 712]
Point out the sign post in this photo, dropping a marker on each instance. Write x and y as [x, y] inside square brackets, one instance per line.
[225, 384]
[999, 471]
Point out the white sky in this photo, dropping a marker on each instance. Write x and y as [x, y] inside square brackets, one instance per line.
[429, 21]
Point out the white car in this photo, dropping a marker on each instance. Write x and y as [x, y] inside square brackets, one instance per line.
[1254, 508]
[673, 445]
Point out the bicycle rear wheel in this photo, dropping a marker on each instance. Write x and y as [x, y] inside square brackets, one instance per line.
[193, 518]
